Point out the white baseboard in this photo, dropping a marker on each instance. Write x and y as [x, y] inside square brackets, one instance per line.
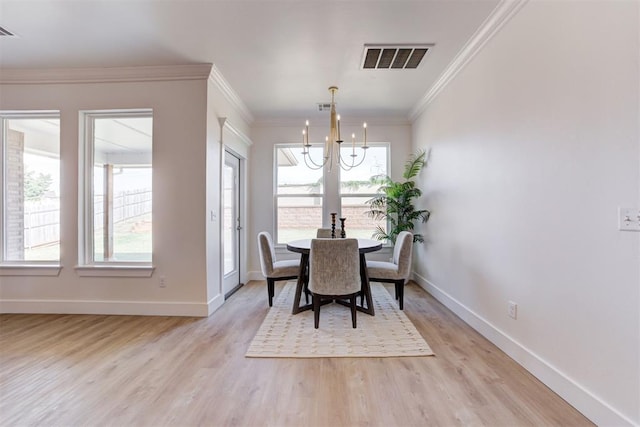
[137, 308]
[255, 275]
[575, 394]
[214, 304]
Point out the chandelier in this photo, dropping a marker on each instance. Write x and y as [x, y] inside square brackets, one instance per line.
[332, 153]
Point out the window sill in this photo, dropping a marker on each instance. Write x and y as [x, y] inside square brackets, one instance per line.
[114, 270]
[30, 269]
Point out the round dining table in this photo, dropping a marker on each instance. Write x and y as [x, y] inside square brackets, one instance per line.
[303, 247]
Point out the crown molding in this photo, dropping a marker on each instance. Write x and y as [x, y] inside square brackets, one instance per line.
[105, 74]
[221, 83]
[502, 13]
[234, 130]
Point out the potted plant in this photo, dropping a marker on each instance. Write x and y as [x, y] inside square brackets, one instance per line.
[395, 202]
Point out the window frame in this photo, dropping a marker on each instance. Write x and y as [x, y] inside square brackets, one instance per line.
[87, 265]
[24, 267]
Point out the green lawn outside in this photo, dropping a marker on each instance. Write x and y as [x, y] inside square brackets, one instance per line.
[131, 242]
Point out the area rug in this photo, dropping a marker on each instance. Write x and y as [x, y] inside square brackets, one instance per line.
[389, 333]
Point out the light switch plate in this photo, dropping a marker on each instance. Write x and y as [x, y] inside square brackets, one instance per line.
[628, 219]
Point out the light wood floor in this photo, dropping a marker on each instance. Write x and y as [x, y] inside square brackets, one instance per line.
[72, 370]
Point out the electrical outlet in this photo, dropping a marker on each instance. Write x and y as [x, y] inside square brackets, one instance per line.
[513, 310]
[163, 282]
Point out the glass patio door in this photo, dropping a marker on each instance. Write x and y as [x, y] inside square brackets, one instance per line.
[231, 223]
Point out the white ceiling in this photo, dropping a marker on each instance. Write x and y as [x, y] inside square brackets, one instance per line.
[279, 56]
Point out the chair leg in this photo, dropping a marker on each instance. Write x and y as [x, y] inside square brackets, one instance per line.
[316, 310]
[400, 290]
[397, 290]
[306, 287]
[352, 300]
[270, 290]
[306, 295]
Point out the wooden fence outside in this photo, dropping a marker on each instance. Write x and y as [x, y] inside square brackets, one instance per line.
[42, 217]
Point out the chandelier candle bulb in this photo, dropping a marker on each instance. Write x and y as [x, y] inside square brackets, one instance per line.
[327, 149]
[306, 128]
[364, 125]
[339, 139]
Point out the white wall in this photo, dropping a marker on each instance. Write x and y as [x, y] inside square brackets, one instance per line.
[534, 146]
[261, 175]
[179, 200]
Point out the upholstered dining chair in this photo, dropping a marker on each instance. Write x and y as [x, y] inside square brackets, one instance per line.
[274, 270]
[397, 271]
[323, 233]
[334, 272]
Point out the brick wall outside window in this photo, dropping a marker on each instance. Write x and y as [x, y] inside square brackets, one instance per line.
[14, 196]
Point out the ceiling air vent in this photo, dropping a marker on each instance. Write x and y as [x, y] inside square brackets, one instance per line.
[323, 106]
[394, 56]
[7, 33]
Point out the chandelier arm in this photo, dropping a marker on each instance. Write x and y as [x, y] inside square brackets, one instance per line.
[344, 165]
[347, 167]
[306, 155]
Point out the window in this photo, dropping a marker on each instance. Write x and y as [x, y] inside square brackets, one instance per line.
[300, 192]
[30, 190]
[359, 185]
[117, 188]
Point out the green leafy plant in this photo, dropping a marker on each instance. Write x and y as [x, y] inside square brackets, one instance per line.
[395, 202]
[35, 187]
